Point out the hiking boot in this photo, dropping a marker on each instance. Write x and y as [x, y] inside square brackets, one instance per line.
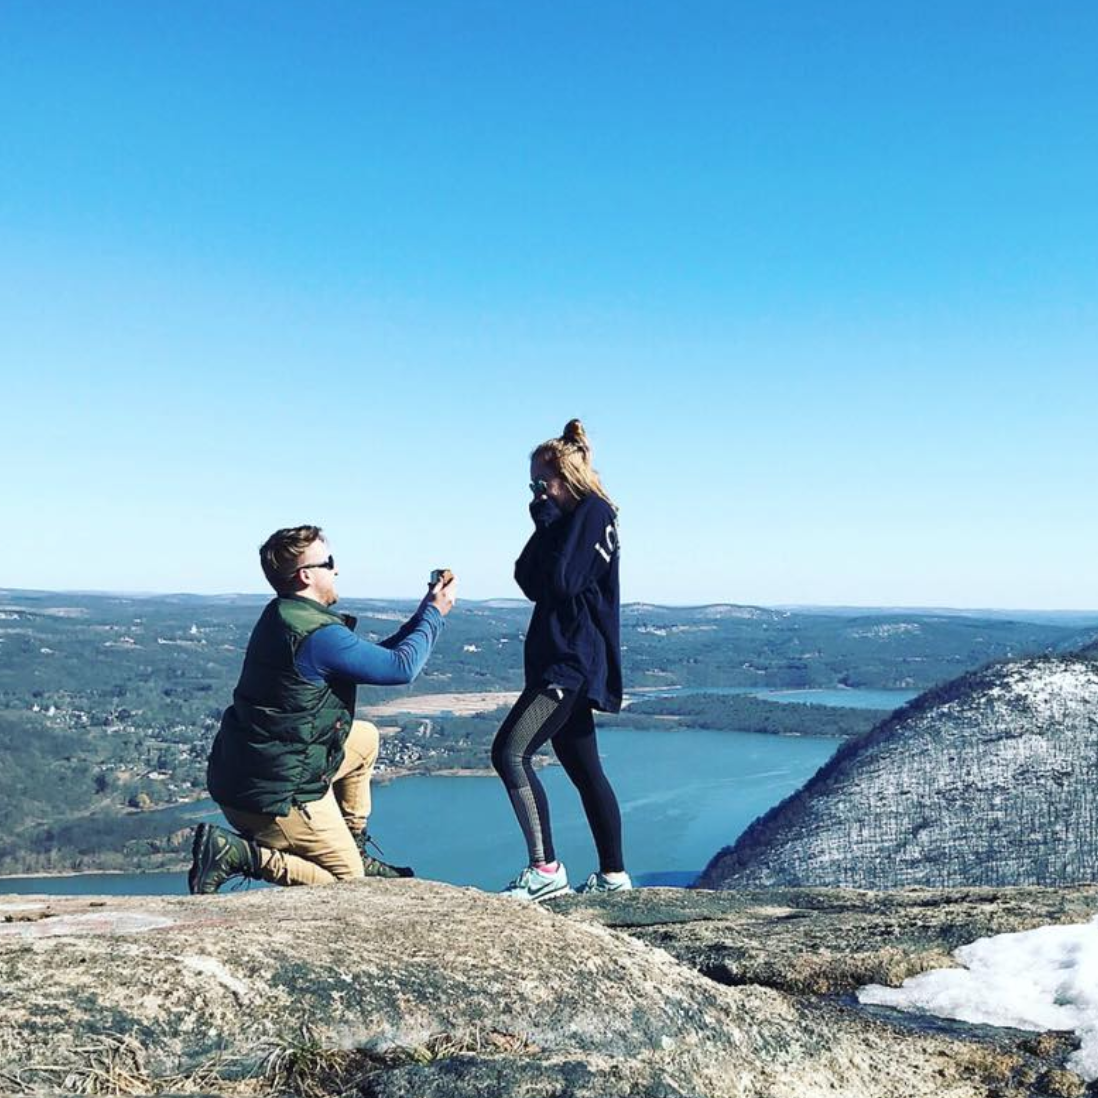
[375, 867]
[217, 855]
[533, 884]
[599, 882]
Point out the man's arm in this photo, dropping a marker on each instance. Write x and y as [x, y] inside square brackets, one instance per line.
[335, 652]
[404, 631]
[440, 596]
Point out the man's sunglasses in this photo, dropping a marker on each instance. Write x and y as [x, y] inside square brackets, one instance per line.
[329, 564]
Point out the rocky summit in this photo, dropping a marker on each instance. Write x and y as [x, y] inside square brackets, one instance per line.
[991, 779]
[395, 989]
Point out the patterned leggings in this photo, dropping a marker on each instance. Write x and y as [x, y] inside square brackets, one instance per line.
[563, 716]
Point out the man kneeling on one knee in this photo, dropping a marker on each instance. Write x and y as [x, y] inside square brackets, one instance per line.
[290, 767]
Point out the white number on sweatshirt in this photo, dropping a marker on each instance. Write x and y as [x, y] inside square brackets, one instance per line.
[611, 539]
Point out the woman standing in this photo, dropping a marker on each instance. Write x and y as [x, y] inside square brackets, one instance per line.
[569, 569]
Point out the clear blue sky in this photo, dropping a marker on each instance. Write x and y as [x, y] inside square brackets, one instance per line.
[821, 279]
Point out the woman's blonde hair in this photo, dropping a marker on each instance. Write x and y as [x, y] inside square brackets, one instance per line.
[570, 455]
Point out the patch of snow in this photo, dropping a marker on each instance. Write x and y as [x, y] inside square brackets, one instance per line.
[211, 966]
[731, 611]
[1037, 979]
[1047, 688]
[889, 629]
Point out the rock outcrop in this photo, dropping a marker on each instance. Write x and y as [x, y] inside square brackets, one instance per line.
[991, 779]
[402, 988]
[814, 941]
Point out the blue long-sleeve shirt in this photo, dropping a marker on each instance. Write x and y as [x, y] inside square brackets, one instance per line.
[569, 569]
[334, 652]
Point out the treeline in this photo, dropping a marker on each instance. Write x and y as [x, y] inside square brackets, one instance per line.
[746, 713]
[466, 741]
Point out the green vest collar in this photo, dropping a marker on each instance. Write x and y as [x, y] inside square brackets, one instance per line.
[308, 602]
[348, 620]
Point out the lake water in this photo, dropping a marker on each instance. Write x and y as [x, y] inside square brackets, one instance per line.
[683, 795]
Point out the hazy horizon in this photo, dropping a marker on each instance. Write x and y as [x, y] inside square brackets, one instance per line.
[520, 599]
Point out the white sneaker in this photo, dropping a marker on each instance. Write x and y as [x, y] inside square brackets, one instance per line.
[600, 882]
[533, 884]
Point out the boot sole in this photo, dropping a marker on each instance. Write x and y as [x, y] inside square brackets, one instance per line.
[195, 872]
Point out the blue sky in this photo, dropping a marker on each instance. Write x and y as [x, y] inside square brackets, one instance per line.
[820, 279]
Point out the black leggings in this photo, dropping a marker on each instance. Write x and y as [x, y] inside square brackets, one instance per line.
[563, 716]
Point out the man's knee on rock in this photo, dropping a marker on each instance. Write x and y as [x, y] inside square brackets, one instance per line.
[348, 871]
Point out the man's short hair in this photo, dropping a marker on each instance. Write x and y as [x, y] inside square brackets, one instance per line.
[280, 553]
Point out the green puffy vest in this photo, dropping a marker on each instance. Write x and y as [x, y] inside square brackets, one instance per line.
[281, 741]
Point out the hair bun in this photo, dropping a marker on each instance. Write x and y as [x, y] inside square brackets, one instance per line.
[575, 434]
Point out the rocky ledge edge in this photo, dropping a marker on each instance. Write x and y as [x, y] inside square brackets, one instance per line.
[389, 989]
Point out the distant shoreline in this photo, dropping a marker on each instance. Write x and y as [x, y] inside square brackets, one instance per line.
[40, 875]
[382, 778]
[838, 609]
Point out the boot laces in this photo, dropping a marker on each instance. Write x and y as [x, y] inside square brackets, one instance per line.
[367, 841]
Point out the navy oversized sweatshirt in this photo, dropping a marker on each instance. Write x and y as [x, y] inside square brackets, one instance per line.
[569, 570]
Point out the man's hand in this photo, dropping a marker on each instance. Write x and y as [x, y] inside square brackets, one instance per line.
[443, 595]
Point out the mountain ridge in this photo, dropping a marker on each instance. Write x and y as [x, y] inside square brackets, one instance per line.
[988, 779]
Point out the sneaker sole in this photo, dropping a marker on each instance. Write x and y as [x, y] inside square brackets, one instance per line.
[584, 891]
[565, 891]
[544, 894]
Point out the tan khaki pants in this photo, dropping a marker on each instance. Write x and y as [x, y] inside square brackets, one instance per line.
[317, 843]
